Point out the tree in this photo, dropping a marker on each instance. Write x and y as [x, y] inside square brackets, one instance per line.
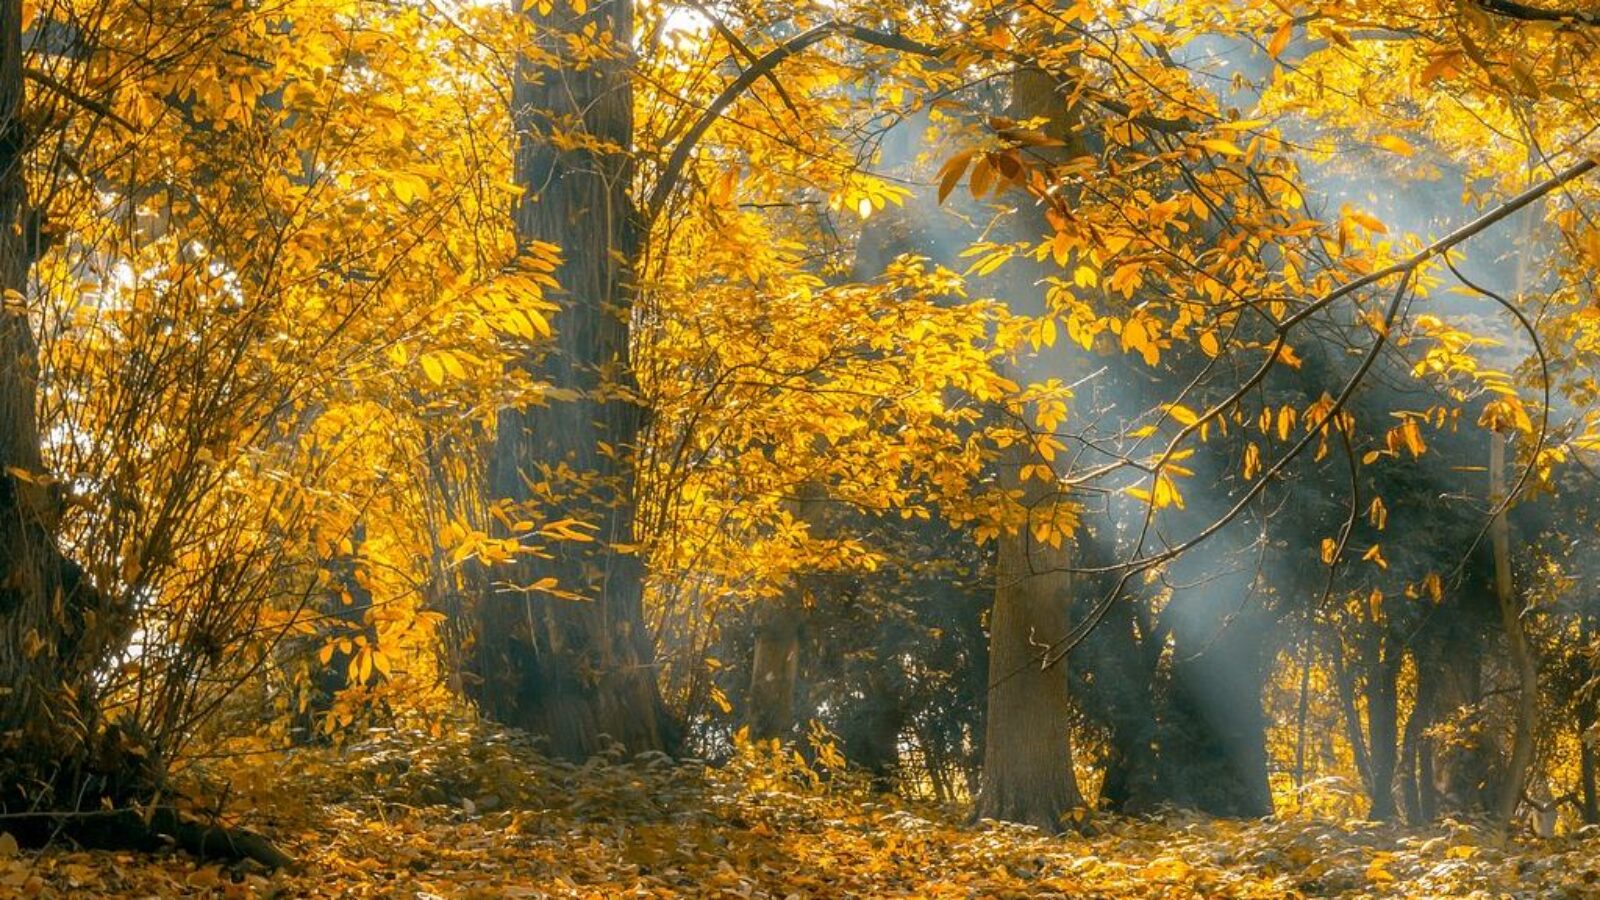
[192, 313]
[562, 645]
[55, 628]
[1027, 761]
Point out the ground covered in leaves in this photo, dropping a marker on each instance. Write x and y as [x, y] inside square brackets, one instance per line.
[475, 815]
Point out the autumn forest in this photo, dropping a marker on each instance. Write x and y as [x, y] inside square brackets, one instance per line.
[952, 448]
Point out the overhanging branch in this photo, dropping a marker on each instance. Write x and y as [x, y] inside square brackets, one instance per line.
[762, 68]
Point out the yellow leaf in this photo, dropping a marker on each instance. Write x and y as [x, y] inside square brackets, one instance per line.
[982, 178]
[950, 174]
[432, 368]
[1222, 146]
[1280, 38]
[1166, 492]
[1370, 223]
[1061, 247]
[1375, 555]
[1434, 586]
[1252, 461]
[1441, 67]
[1396, 144]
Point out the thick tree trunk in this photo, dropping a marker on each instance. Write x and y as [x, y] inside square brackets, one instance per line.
[580, 665]
[773, 674]
[55, 629]
[1027, 764]
[30, 674]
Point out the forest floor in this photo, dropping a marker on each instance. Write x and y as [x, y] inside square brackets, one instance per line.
[483, 816]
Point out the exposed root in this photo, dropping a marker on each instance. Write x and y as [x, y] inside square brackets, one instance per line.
[148, 832]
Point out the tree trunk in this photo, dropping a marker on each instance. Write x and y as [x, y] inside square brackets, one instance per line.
[870, 728]
[1527, 721]
[580, 664]
[773, 673]
[1588, 803]
[55, 629]
[775, 666]
[1412, 786]
[1127, 667]
[1344, 681]
[1027, 764]
[1427, 782]
[31, 673]
[1214, 739]
[1213, 727]
[1383, 726]
[1586, 770]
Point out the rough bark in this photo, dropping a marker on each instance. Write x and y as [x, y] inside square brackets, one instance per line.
[575, 670]
[1027, 763]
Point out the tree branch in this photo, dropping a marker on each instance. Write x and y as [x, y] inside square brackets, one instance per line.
[1511, 9]
[763, 66]
[760, 68]
[48, 81]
